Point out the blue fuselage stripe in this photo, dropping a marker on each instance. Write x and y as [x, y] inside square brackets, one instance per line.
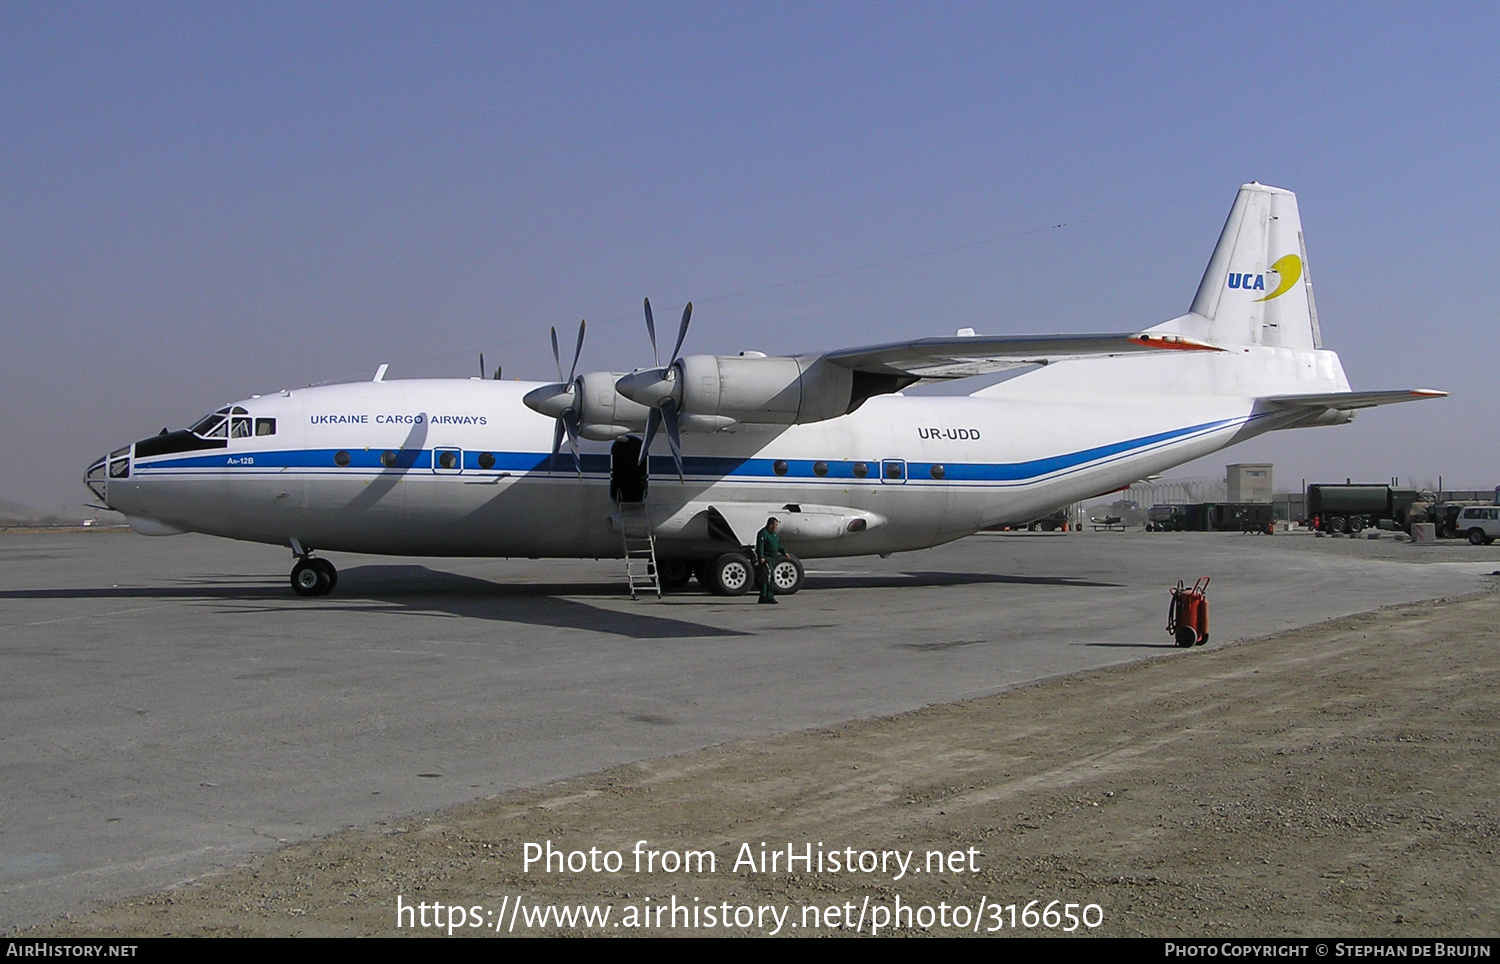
[840, 470]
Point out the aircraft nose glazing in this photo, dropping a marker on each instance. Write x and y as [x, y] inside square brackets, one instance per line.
[116, 465]
[94, 476]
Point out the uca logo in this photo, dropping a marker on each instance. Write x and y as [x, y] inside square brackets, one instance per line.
[1288, 270]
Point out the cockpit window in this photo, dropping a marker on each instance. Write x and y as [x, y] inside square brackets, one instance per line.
[265, 426]
[206, 422]
[240, 427]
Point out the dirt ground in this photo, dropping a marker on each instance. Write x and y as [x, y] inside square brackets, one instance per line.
[1337, 780]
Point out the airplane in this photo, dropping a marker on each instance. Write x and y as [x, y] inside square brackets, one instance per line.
[829, 443]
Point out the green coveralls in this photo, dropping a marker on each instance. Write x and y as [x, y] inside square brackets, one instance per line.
[767, 552]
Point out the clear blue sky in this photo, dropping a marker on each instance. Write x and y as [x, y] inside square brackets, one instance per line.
[201, 201]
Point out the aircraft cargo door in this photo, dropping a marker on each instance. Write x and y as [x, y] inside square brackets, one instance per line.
[627, 475]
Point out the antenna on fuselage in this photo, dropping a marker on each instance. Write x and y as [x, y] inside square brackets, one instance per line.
[380, 373]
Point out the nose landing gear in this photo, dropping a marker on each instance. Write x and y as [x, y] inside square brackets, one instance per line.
[312, 576]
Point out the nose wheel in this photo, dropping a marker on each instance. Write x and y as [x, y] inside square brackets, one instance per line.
[314, 577]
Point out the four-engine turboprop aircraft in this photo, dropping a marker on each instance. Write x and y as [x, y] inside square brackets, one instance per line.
[828, 443]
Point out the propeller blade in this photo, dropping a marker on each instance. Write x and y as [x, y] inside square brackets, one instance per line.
[497, 373]
[687, 313]
[557, 437]
[481, 365]
[556, 355]
[653, 422]
[577, 353]
[651, 331]
[569, 421]
[674, 438]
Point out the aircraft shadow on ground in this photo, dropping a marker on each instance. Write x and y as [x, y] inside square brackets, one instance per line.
[418, 590]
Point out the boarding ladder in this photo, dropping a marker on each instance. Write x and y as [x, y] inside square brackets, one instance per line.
[640, 548]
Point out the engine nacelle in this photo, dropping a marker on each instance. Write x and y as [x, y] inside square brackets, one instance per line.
[718, 390]
[603, 413]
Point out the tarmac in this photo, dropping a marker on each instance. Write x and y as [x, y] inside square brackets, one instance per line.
[173, 708]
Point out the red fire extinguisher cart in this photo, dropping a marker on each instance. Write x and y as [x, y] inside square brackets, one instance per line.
[1187, 614]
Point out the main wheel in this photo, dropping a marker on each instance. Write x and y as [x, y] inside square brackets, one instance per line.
[731, 574]
[1476, 537]
[1186, 638]
[673, 573]
[308, 579]
[787, 575]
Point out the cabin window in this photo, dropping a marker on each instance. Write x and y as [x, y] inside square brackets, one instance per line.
[486, 460]
[388, 459]
[938, 471]
[265, 426]
[341, 458]
[820, 469]
[447, 459]
[779, 467]
[861, 470]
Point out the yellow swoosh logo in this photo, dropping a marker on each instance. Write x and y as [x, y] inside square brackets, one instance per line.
[1289, 267]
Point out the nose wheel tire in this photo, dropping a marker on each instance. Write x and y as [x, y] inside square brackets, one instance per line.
[314, 577]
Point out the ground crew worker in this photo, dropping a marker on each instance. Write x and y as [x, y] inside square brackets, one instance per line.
[767, 553]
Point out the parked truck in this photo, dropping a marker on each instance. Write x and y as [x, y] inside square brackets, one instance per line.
[1354, 508]
[1256, 517]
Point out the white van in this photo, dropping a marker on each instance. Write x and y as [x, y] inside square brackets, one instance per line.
[1481, 522]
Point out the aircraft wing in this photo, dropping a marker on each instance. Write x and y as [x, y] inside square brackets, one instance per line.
[961, 356]
[1347, 401]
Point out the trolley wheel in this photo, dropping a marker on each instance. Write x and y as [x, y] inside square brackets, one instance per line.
[731, 574]
[1186, 638]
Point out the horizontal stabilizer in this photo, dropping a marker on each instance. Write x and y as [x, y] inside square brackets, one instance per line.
[1347, 401]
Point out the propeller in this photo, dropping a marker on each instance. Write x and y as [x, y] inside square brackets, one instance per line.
[657, 389]
[482, 369]
[560, 400]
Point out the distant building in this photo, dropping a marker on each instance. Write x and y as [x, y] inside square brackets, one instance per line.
[1248, 481]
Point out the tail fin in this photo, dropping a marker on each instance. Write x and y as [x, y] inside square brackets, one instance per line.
[1257, 289]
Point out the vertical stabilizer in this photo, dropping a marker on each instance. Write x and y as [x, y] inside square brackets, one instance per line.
[1257, 289]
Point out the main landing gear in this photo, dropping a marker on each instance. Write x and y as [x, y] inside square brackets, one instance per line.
[312, 576]
[733, 574]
